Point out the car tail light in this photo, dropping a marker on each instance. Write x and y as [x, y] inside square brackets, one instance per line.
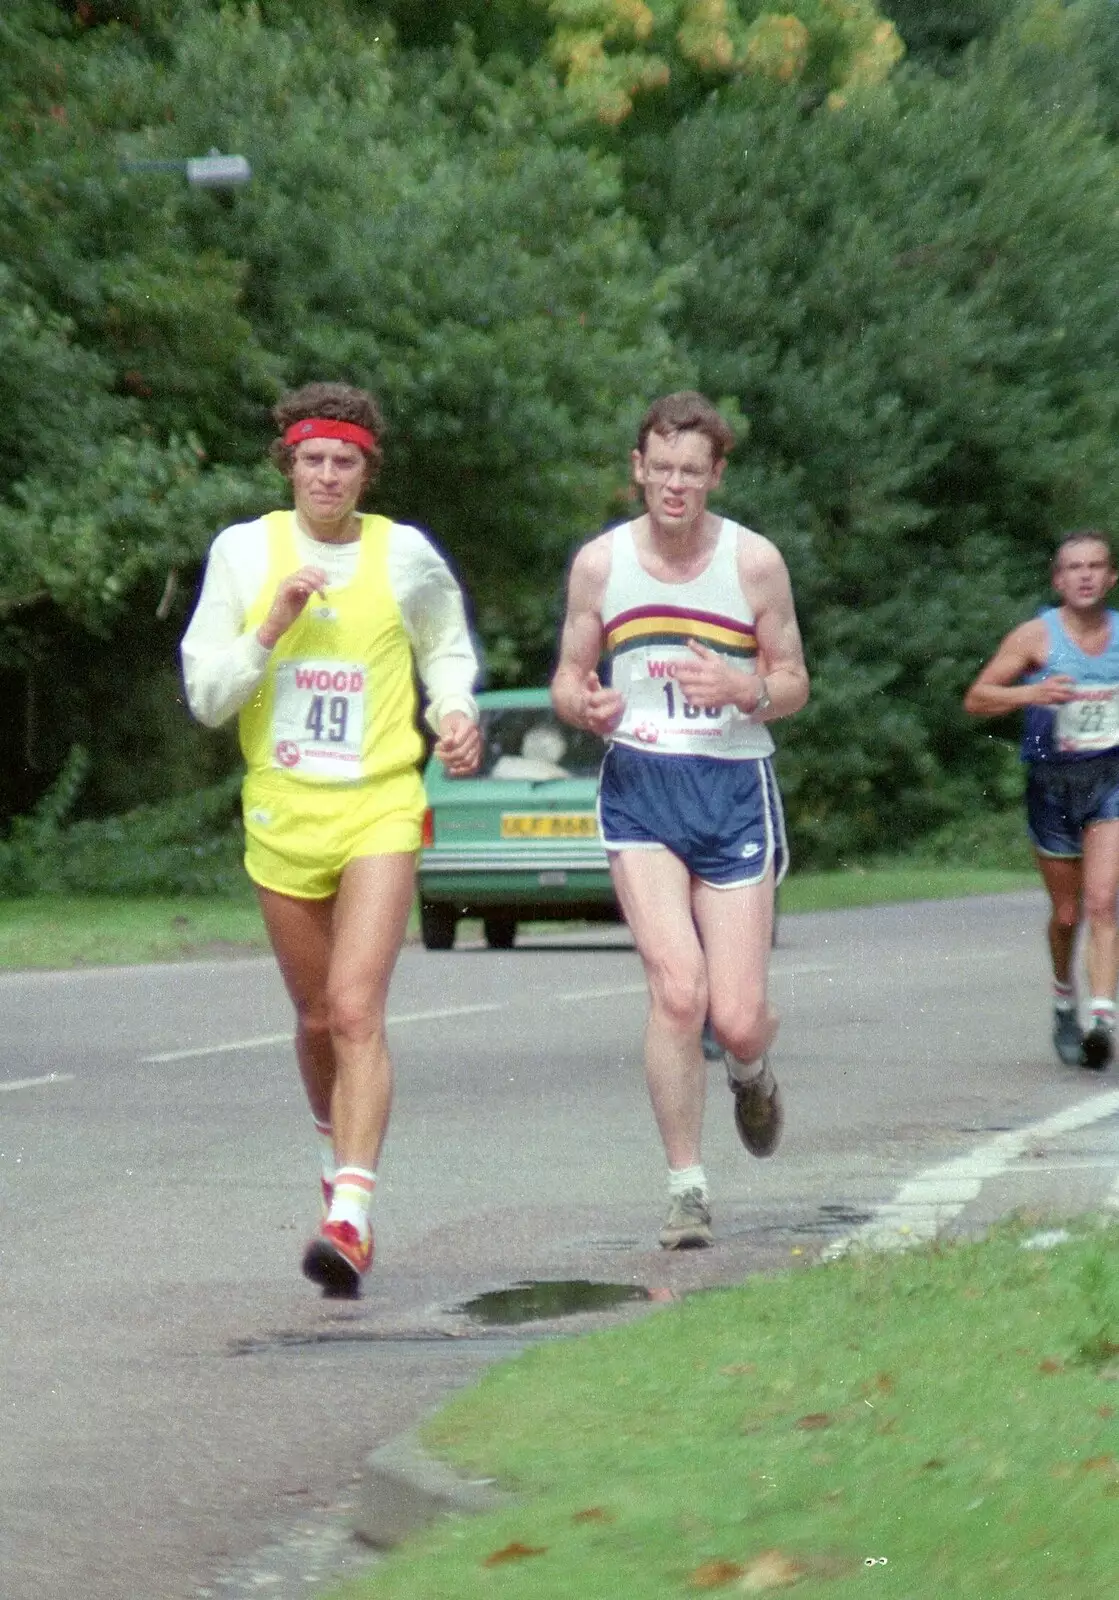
[427, 837]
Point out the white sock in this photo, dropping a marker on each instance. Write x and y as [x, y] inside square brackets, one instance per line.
[681, 1179]
[1103, 1010]
[324, 1135]
[1064, 996]
[747, 1071]
[353, 1198]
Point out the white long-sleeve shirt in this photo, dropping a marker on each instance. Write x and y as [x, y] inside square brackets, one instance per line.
[223, 664]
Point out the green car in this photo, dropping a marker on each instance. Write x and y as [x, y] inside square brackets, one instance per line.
[519, 841]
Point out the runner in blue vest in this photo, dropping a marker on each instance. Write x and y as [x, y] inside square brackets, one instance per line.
[1062, 668]
[694, 615]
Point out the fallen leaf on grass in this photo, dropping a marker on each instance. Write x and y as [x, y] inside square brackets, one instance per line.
[816, 1419]
[592, 1514]
[772, 1570]
[1051, 1364]
[513, 1552]
[1096, 1463]
[714, 1574]
[1106, 1412]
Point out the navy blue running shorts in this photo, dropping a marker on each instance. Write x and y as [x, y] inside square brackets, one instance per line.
[1065, 797]
[722, 818]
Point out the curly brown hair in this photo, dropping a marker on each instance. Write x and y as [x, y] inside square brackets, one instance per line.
[687, 411]
[341, 402]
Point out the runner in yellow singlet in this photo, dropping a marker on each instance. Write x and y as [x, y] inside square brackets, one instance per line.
[308, 628]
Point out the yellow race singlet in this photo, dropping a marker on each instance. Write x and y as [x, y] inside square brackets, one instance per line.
[338, 703]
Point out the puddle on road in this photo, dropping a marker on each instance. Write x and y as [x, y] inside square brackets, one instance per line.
[831, 1218]
[539, 1301]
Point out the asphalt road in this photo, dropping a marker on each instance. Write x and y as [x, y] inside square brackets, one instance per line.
[183, 1417]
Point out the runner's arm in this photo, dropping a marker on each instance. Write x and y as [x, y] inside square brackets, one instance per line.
[434, 613]
[577, 694]
[997, 690]
[223, 665]
[765, 580]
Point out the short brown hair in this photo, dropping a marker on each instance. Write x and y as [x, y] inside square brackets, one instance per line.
[1084, 536]
[687, 411]
[341, 402]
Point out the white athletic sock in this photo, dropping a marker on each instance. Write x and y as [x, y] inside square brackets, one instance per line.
[353, 1197]
[681, 1179]
[1103, 1011]
[1064, 996]
[325, 1139]
[746, 1071]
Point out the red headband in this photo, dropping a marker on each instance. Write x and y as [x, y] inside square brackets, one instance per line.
[327, 428]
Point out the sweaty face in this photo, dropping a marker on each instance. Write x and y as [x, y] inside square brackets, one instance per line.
[327, 478]
[1084, 573]
[676, 472]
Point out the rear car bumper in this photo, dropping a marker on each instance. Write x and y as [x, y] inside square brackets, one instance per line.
[568, 881]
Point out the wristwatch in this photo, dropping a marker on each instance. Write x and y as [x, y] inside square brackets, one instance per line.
[763, 701]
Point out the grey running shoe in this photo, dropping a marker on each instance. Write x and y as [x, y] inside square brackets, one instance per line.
[1098, 1047]
[688, 1224]
[712, 1049]
[758, 1113]
[1067, 1037]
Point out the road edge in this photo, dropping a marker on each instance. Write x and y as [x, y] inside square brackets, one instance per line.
[403, 1488]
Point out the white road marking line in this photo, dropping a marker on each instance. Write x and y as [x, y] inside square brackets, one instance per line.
[37, 1083]
[922, 1207]
[265, 1040]
[801, 969]
[601, 994]
[450, 1011]
[217, 1049]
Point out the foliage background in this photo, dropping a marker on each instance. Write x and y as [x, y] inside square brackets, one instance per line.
[884, 243]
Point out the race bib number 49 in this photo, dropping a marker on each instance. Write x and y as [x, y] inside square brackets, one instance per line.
[1091, 721]
[318, 719]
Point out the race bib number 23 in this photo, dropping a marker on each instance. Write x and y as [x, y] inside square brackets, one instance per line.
[1091, 721]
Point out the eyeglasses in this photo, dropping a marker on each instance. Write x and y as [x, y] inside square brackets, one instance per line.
[687, 477]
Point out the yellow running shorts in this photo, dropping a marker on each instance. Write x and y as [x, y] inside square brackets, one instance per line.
[299, 836]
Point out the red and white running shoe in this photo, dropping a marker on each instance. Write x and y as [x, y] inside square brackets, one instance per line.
[337, 1259]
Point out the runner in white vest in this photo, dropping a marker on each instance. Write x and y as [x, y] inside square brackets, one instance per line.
[1068, 657]
[694, 617]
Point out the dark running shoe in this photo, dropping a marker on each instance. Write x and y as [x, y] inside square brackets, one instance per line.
[1067, 1037]
[337, 1259]
[758, 1113]
[1098, 1047]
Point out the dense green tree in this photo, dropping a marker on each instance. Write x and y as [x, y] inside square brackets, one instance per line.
[517, 221]
[911, 304]
[937, 33]
[418, 231]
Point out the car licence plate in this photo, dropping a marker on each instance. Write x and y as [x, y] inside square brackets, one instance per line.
[549, 825]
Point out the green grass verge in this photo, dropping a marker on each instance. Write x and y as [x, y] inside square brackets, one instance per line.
[70, 930]
[948, 1414]
[67, 931]
[881, 885]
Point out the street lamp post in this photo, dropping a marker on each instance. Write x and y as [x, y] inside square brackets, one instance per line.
[213, 171]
